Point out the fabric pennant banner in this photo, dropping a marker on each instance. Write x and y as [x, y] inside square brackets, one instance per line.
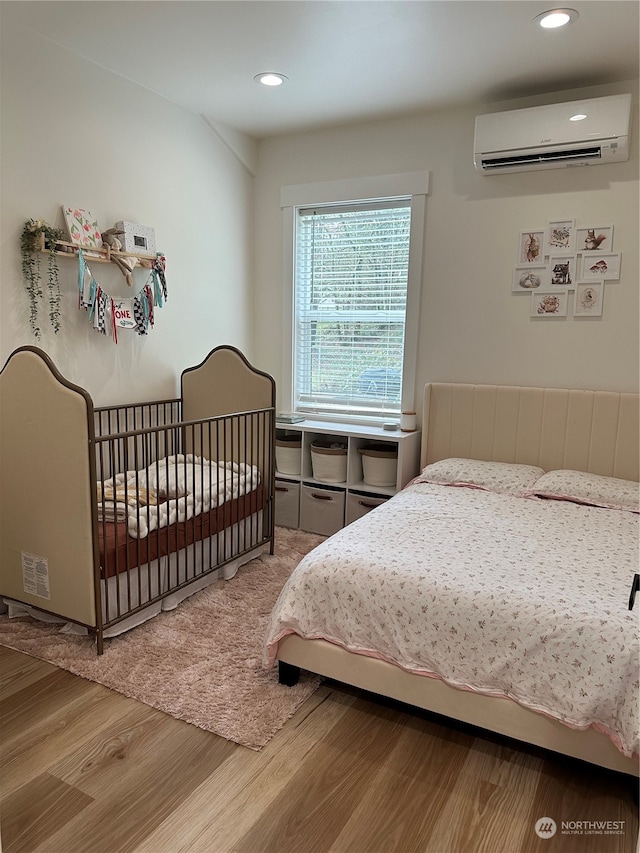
[108, 314]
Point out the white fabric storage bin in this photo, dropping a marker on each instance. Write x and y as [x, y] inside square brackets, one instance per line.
[329, 461]
[287, 503]
[359, 505]
[321, 510]
[289, 455]
[379, 464]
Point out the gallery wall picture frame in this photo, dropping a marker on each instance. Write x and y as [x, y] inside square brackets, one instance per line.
[559, 258]
[528, 278]
[560, 237]
[595, 266]
[547, 304]
[562, 271]
[588, 299]
[531, 246]
[598, 238]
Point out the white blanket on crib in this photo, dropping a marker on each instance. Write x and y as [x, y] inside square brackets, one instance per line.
[186, 485]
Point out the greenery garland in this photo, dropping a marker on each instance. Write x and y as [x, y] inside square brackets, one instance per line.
[30, 243]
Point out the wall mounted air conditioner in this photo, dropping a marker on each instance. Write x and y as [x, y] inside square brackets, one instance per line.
[553, 136]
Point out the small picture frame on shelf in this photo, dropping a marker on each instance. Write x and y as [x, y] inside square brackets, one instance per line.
[528, 278]
[562, 271]
[560, 237]
[548, 304]
[596, 239]
[137, 239]
[531, 247]
[588, 299]
[596, 266]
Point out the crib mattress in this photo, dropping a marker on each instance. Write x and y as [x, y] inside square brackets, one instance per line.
[120, 552]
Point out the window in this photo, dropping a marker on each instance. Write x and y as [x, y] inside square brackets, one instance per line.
[353, 263]
[350, 307]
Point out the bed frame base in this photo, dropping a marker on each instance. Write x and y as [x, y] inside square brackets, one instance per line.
[287, 674]
[499, 715]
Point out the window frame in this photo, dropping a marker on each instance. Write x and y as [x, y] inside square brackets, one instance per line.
[413, 186]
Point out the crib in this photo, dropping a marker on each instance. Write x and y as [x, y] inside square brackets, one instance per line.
[112, 514]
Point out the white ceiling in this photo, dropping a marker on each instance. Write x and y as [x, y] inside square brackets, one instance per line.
[346, 60]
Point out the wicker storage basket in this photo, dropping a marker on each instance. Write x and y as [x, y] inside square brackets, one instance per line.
[329, 461]
[379, 464]
[289, 455]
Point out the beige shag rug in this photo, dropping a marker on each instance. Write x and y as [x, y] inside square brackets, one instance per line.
[202, 662]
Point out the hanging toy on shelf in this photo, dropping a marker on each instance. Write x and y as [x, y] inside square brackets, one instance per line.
[126, 265]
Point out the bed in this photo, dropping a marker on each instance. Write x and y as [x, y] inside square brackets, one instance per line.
[112, 514]
[503, 601]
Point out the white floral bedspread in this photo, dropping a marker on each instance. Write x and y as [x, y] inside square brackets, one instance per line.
[503, 595]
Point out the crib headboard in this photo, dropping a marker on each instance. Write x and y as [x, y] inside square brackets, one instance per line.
[226, 383]
[594, 431]
[46, 428]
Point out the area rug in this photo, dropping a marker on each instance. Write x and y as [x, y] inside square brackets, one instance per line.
[202, 662]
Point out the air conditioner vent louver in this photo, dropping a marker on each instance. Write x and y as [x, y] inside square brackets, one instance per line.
[542, 157]
[512, 141]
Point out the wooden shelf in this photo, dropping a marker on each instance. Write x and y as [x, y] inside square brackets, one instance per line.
[102, 255]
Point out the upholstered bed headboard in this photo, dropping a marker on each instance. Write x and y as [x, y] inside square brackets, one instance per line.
[595, 431]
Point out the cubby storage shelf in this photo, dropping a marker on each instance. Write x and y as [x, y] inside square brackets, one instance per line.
[298, 491]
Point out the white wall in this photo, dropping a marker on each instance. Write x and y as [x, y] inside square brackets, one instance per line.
[472, 328]
[73, 133]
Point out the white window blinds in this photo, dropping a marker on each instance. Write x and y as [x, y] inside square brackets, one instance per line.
[350, 302]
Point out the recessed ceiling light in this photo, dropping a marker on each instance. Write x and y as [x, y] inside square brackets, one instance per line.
[556, 18]
[577, 117]
[270, 78]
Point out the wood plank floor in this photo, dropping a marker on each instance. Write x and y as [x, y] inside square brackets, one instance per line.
[86, 770]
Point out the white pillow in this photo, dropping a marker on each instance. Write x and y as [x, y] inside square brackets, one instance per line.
[507, 478]
[592, 489]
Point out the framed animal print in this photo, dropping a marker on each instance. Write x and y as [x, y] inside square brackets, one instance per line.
[596, 239]
[588, 299]
[549, 304]
[528, 278]
[531, 247]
